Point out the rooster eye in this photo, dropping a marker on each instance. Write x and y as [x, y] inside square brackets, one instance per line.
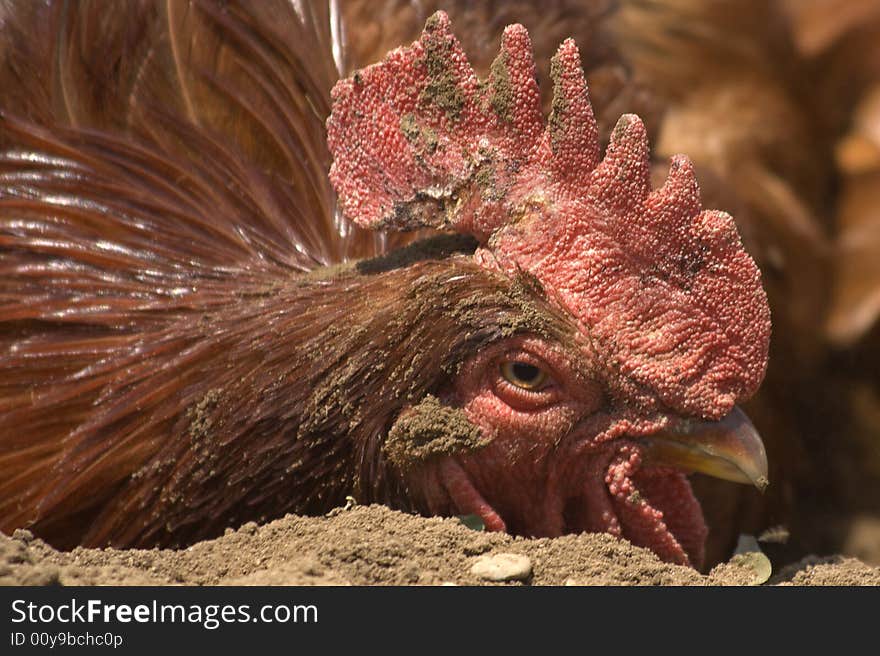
[524, 375]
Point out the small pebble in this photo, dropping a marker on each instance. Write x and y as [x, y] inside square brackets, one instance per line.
[502, 567]
[23, 535]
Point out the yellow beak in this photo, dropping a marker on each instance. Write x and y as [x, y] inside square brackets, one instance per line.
[729, 448]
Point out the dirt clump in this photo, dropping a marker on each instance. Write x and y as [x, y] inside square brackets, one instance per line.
[372, 545]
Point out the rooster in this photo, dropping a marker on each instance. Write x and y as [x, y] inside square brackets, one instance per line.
[198, 330]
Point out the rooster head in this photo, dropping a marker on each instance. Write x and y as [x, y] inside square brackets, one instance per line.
[592, 427]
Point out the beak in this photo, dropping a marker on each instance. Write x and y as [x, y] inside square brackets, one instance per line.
[729, 448]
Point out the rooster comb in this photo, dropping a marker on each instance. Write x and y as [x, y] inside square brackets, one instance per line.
[664, 289]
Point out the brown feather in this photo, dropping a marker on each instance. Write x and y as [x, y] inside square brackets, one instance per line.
[280, 398]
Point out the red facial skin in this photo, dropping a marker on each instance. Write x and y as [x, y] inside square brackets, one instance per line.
[561, 460]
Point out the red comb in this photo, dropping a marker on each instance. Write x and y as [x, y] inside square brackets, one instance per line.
[665, 291]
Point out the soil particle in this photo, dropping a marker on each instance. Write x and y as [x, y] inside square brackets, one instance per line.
[751, 568]
[559, 107]
[831, 570]
[442, 86]
[372, 545]
[502, 98]
[409, 127]
[748, 566]
[502, 567]
[422, 137]
[431, 429]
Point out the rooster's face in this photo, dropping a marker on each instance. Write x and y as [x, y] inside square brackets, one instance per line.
[564, 451]
[667, 325]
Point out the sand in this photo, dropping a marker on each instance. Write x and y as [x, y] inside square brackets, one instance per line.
[377, 546]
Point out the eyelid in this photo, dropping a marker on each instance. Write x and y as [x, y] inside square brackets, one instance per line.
[527, 358]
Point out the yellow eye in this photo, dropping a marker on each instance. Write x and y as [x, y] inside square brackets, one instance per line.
[524, 375]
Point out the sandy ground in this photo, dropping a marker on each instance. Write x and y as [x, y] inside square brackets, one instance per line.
[377, 546]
